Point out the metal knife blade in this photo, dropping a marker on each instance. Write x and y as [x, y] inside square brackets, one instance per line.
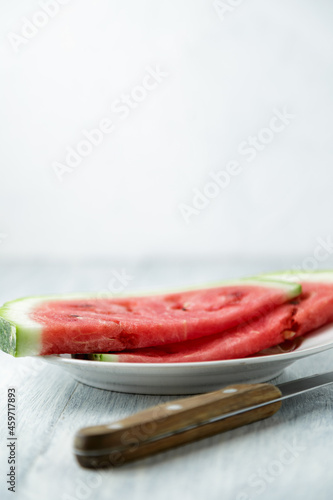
[288, 390]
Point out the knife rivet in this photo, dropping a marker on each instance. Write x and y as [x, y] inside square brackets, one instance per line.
[229, 391]
[174, 407]
[116, 425]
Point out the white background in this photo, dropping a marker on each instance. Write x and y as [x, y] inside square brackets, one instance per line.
[225, 78]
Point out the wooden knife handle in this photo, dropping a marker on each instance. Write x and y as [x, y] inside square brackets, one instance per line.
[173, 424]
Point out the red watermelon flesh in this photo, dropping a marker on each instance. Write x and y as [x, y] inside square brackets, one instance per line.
[85, 324]
[118, 324]
[313, 309]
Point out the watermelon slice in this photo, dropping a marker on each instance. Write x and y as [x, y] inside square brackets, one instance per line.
[88, 323]
[311, 310]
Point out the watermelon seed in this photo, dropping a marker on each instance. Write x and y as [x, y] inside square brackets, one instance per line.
[289, 334]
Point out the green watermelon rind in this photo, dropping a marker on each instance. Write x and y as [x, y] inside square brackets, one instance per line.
[7, 336]
[104, 357]
[21, 336]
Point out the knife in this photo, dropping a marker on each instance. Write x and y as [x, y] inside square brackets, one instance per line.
[185, 420]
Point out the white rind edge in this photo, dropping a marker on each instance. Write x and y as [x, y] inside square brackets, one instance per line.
[26, 304]
[300, 276]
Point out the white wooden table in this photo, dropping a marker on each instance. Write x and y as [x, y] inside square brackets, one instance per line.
[287, 456]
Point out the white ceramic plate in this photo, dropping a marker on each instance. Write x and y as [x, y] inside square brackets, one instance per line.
[189, 378]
